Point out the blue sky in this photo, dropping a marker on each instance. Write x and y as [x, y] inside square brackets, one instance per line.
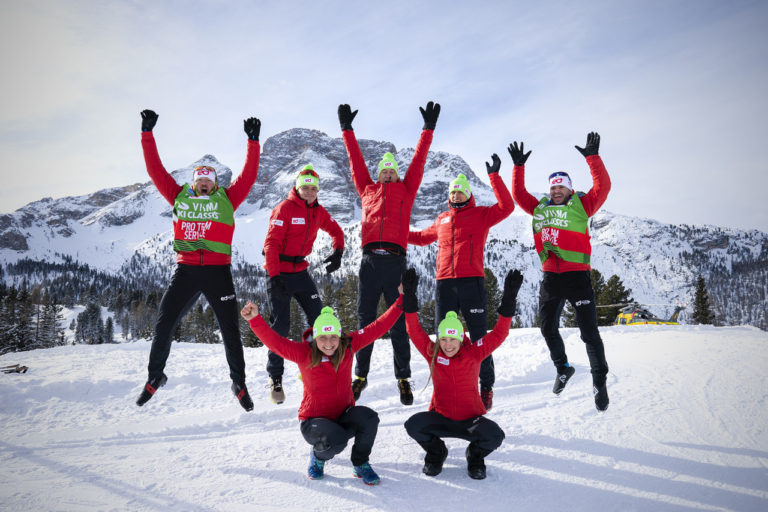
[677, 90]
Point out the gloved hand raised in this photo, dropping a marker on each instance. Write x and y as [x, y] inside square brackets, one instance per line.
[430, 115]
[517, 153]
[492, 169]
[334, 261]
[512, 284]
[276, 286]
[410, 282]
[593, 145]
[148, 120]
[346, 116]
[252, 127]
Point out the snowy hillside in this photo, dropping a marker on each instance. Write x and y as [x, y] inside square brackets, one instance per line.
[686, 430]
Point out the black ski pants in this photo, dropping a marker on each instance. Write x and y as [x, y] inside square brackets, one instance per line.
[576, 288]
[381, 274]
[426, 428]
[329, 437]
[468, 295]
[303, 289]
[187, 283]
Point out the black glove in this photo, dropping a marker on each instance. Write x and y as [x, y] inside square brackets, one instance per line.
[148, 120]
[511, 286]
[517, 153]
[276, 286]
[430, 115]
[492, 169]
[346, 116]
[252, 127]
[593, 145]
[410, 282]
[334, 261]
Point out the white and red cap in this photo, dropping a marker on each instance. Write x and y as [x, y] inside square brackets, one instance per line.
[204, 171]
[561, 179]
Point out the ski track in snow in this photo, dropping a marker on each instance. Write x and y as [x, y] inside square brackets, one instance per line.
[686, 430]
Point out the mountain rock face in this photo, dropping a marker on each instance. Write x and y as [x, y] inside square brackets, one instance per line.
[128, 230]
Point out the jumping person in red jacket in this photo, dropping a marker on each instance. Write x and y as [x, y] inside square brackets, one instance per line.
[461, 233]
[387, 205]
[203, 225]
[293, 227]
[328, 414]
[454, 363]
[561, 237]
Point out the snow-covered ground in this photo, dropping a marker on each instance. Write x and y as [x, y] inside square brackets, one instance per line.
[687, 429]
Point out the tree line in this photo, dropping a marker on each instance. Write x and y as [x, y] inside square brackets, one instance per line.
[31, 315]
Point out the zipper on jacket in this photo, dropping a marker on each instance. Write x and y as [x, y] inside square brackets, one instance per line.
[383, 210]
[306, 234]
[453, 246]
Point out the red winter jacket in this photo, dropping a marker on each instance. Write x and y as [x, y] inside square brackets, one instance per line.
[293, 228]
[386, 206]
[169, 189]
[592, 201]
[327, 392]
[455, 393]
[461, 233]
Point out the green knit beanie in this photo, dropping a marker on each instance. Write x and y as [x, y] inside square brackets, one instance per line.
[460, 184]
[451, 327]
[326, 323]
[388, 162]
[308, 177]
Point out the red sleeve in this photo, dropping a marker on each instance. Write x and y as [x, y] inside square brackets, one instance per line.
[521, 196]
[285, 348]
[239, 189]
[332, 227]
[275, 239]
[601, 185]
[495, 338]
[360, 175]
[415, 171]
[164, 182]
[378, 327]
[425, 236]
[419, 338]
[504, 205]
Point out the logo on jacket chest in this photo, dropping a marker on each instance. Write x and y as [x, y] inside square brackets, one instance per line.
[443, 360]
[298, 220]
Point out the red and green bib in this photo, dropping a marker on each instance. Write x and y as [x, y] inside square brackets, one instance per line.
[562, 230]
[203, 222]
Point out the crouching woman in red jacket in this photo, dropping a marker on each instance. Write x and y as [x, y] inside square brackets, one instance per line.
[328, 414]
[454, 364]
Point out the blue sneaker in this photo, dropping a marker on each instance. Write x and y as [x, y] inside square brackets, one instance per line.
[315, 469]
[366, 472]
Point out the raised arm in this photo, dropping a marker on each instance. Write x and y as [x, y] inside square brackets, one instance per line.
[360, 175]
[601, 182]
[415, 172]
[521, 196]
[419, 338]
[239, 189]
[164, 182]
[284, 347]
[500, 332]
[504, 203]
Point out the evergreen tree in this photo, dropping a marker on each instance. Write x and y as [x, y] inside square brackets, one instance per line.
[613, 292]
[90, 326]
[702, 309]
[11, 335]
[493, 295]
[109, 331]
[298, 322]
[346, 304]
[427, 316]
